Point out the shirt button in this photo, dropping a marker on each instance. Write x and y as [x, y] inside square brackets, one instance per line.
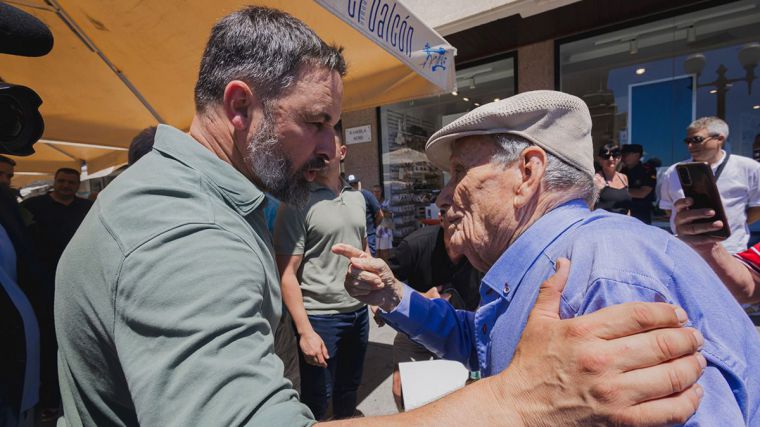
[506, 288]
[485, 329]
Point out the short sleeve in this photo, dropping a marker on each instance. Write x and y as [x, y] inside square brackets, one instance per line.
[289, 231]
[372, 202]
[753, 181]
[670, 190]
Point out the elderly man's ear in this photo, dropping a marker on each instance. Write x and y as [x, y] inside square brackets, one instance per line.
[532, 163]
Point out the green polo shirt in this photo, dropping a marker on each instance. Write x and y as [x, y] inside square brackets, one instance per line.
[166, 300]
[327, 219]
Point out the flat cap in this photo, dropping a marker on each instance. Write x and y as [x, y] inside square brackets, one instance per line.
[557, 122]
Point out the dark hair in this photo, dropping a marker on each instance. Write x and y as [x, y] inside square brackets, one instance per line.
[7, 160]
[606, 148]
[141, 144]
[264, 48]
[67, 170]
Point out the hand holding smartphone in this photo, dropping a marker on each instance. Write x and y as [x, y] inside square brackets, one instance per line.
[699, 184]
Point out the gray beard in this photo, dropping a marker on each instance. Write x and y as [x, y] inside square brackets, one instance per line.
[272, 168]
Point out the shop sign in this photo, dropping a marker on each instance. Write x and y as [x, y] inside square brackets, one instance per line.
[394, 27]
[358, 134]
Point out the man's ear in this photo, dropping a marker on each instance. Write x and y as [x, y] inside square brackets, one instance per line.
[342, 151]
[239, 104]
[532, 162]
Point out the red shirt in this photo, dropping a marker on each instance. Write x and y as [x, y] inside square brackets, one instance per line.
[751, 257]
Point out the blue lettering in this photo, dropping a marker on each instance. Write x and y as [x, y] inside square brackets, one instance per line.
[409, 35]
[351, 8]
[381, 22]
[401, 35]
[394, 30]
[373, 15]
[388, 22]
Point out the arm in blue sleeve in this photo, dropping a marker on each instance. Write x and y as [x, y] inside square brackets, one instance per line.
[447, 332]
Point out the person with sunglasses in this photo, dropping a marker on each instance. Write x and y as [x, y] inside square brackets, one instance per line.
[612, 185]
[738, 180]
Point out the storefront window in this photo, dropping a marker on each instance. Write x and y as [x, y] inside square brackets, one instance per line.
[410, 182]
[645, 84]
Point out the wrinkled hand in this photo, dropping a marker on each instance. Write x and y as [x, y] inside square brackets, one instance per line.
[369, 279]
[613, 366]
[691, 232]
[376, 317]
[313, 349]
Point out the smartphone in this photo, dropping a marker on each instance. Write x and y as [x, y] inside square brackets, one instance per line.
[698, 183]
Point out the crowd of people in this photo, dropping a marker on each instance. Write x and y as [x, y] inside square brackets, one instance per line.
[230, 274]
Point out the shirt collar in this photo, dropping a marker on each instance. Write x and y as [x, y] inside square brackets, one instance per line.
[504, 276]
[317, 186]
[241, 193]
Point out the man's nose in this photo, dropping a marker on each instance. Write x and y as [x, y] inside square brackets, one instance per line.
[326, 144]
[443, 201]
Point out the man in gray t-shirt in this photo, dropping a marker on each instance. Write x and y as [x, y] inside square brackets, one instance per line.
[329, 322]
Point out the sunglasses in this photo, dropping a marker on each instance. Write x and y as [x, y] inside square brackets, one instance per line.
[607, 154]
[697, 139]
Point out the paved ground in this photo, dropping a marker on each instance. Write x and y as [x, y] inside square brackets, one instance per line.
[375, 393]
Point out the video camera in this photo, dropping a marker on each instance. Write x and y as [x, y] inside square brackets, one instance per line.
[21, 124]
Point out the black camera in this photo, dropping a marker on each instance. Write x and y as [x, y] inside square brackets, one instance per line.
[21, 124]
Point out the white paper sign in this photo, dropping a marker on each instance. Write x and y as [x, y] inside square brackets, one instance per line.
[358, 134]
[428, 380]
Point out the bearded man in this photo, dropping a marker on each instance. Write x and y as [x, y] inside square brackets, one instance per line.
[167, 296]
[517, 204]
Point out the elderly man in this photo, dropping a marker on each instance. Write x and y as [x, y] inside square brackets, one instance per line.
[738, 179]
[168, 294]
[521, 183]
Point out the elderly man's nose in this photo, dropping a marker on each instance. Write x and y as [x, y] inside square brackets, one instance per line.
[443, 201]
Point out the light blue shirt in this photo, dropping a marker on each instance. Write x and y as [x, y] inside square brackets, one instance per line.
[614, 259]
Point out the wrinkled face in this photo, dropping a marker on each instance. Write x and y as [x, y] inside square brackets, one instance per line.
[296, 138]
[477, 202]
[66, 184]
[6, 174]
[706, 151]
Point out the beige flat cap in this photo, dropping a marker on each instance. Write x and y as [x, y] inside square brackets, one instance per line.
[555, 121]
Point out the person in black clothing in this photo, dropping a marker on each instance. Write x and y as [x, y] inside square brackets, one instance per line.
[55, 218]
[642, 180]
[612, 185]
[424, 262]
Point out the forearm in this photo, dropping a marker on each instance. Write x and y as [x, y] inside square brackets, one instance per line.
[736, 276]
[639, 193]
[481, 403]
[293, 298]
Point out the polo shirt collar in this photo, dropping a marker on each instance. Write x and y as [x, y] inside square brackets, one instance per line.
[317, 186]
[239, 192]
[507, 273]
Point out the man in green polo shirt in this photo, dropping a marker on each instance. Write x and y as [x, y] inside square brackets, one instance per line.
[167, 295]
[332, 326]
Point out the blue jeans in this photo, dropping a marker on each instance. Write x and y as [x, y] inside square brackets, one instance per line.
[345, 336]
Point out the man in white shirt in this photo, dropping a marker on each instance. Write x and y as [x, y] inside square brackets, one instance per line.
[738, 179]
